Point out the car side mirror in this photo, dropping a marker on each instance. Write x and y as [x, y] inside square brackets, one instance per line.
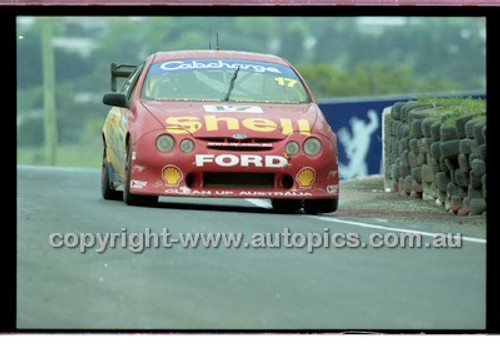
[115, 99]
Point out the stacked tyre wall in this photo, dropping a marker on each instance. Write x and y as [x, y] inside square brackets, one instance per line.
[434, 155]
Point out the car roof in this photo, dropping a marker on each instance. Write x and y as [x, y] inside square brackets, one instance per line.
[217, 54]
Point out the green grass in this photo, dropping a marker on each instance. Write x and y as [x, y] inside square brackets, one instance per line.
[447, 110]
[71, 155]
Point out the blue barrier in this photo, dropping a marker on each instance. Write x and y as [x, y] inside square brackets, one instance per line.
[358, 125]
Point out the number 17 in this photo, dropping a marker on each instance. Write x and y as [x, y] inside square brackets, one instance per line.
[290, 82]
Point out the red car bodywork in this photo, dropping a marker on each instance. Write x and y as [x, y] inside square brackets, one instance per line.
[239, 147]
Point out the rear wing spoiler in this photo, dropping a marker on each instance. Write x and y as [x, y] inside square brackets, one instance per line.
[120, 71]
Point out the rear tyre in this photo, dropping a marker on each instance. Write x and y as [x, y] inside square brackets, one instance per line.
[280, 205]
[321, 205]
[133, 199]
[107, 190]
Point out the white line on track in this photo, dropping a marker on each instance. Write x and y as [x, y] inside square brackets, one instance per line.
[260, 203]
[399, 230]
[266, 204]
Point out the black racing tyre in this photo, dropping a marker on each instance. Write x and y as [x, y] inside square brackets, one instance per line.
[405, 158]
[107, 190]
[484, 133]
[416, 188]
[413, 144]
[461, 178]
[465, 146]
[420, 159]
[435, 150]
[469, 128]
[403, 131]
[320, 205]
[427, 174]
[441, 196]
[474, 193]
[475, 181]
[463, 162]
[406, 109]
[426, 127]
[286, 206]
[427, 190]
[460, 123]
[448, 132]
[403, 144]
[449, 148]
[435, 135]
[390, 145]
[477, 132]
[483, 185]
[412, 159]
[394, 145]
[433, 163]
[133, 199]
[416, 173]
[421, 112]
[394, 126]
[452, 189]
[443, 166]
[451, 163]
[407, 183]
[478, 167]
[474, 148]
[482, 151]
[424, 144]
[389, 159]
[404, 171]
[400, 185]
[416, 128]
[396, 110]
[473, 156]
[441, 180]
[394, 171]
[477, 206]
[403, 114]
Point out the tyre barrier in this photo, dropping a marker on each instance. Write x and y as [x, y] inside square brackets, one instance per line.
[436, 156]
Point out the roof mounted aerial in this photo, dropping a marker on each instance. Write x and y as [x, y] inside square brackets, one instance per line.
[210, 39]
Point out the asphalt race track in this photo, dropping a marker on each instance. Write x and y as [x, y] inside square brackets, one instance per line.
[227, 288]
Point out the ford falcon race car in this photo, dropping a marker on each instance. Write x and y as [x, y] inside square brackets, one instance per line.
[215, 123]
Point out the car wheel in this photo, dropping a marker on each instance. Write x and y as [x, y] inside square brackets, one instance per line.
[281, 205]
[133, 199]
[107, 190]
[321, 205]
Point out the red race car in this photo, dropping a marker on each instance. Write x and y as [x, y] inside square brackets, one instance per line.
[214, 123]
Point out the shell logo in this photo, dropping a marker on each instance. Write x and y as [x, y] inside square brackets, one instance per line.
[306, 177]
[171, 175]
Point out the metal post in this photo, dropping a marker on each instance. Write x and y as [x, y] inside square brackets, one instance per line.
[49, 102]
